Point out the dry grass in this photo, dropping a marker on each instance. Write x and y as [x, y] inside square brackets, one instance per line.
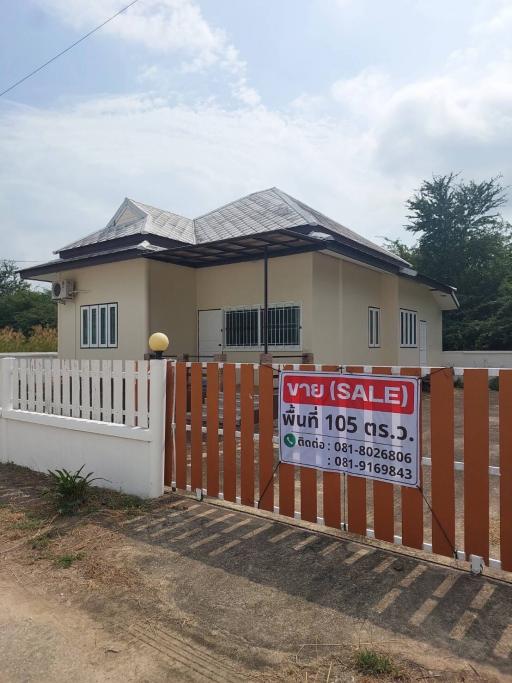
[41, 339]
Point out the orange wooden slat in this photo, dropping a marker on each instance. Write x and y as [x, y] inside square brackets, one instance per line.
[412, 499]
[443, 455]
[505, 399]
[229, 428]
[356, 492]
[247, 434]
[476, 463]
[308, 484]
[196, 423]
[331, 482]
[383, 508]
[180, 418]
[212, 427]
[169, 416]
[266, 447]
[287, 483]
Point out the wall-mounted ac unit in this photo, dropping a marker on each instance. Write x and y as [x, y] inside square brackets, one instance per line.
[63, 289]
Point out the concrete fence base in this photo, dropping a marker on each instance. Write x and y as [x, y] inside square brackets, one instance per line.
[128, 459]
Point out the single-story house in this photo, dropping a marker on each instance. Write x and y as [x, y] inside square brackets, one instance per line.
[205, 282]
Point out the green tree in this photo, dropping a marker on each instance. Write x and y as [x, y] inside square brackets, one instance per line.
[464, 241]
[21, 307]
[10, 281]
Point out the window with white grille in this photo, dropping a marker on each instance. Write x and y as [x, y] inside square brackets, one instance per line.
[241, 327]
[408, 325]
[98, 326]
[373, 327]
[244, 327]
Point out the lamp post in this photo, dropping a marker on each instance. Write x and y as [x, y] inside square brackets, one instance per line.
[158, 343]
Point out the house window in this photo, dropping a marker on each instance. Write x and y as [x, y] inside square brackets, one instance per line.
[112, 325]
[244, 327]
[408, 325]
[373, 327]
[98, 326]
[241, 327]
[283, 326]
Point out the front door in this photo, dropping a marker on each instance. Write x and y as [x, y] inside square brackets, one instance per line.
[423, 344]
[210, 333]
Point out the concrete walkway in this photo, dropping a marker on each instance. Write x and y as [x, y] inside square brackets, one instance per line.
[267, 566]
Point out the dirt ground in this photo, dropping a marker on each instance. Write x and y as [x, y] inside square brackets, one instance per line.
[181, 590]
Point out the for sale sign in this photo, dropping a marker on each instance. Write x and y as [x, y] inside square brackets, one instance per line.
[364, 425]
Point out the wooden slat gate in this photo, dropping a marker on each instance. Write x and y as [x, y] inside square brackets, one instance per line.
[221, 438]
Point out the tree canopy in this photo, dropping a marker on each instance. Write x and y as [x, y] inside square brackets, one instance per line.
[464, 241]
[22, 307]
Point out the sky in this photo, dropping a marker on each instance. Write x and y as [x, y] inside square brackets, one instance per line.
[189, 104]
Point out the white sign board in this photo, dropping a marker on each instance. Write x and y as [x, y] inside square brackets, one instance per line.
[363, 425]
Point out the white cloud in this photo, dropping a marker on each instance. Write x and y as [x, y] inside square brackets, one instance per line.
[355, 151]
[69, 168]
[163, 27]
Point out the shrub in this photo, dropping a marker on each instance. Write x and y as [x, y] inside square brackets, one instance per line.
[65, 561]
[372, 663]
[40, 339]
[70, 489]
[494, 383]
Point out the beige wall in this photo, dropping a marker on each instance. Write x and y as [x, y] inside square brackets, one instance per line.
[342, 293]
[172, 307]
[326, 316]
[364, 287]
[124, 282]
[334, 296]
[419, 298]
[241, 284]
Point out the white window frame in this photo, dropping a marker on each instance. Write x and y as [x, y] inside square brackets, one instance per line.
[408, 329]
[260, 345]
[373, 327]
[86, 314]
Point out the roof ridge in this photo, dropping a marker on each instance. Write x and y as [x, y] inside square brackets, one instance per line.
[151, 206]
[234, 201]
[292, 202]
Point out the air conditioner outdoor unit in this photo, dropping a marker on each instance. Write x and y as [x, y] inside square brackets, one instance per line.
[63, 289]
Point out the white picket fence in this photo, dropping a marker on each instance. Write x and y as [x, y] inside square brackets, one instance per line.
[108, 416]
[108, 391]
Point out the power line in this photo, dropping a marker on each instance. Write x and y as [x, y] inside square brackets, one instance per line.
[67, 49]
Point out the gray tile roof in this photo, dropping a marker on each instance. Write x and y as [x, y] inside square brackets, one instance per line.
[257, 213]
[134, 218]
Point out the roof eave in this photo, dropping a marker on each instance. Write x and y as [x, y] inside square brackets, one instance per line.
[61, 265]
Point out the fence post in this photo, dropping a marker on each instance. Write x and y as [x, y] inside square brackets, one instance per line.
[6, 383]
[157, 375]
[6, 401]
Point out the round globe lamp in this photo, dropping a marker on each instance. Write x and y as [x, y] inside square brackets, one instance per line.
[158, 343]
